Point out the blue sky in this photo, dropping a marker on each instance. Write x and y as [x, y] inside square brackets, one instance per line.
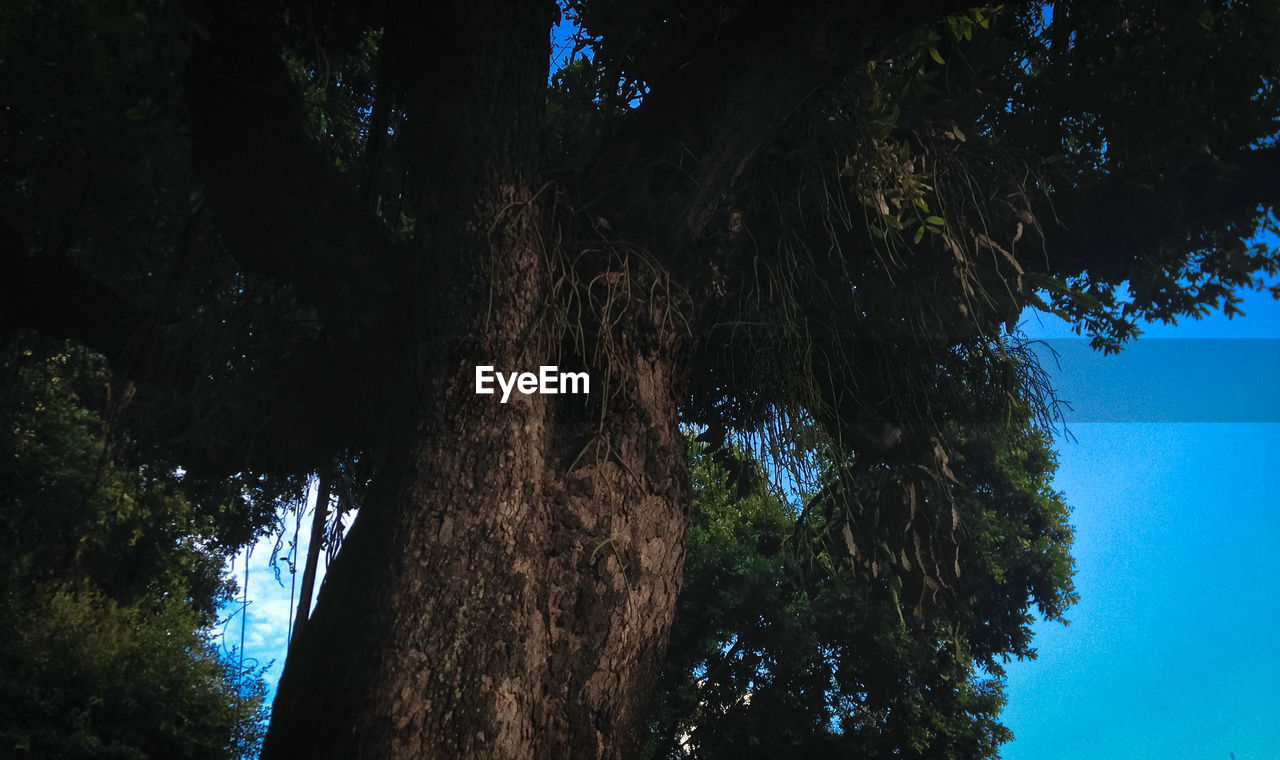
[1172, 651]
[264, 624]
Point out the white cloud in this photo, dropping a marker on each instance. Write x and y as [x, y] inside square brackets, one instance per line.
[266, 621]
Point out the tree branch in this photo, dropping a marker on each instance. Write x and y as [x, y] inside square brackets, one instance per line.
[691, 139]
[281, 207]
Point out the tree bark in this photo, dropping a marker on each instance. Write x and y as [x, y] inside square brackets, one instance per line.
[495, 607]
[507, 589]
[492, 600]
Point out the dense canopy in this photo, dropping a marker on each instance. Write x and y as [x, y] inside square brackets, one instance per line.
[810, 230]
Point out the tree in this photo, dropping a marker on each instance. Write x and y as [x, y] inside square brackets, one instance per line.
[301, 229]
[787, 643]
[109, 577]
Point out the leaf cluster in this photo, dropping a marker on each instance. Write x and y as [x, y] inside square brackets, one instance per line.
[111, 577]
[88, 677]
[785, 644]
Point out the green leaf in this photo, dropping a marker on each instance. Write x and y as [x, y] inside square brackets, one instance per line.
[936, 221]
[919, 235]
[935, 55]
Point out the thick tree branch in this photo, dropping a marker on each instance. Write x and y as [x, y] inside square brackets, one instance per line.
[694, 135]
[212, 420]
[282, 208]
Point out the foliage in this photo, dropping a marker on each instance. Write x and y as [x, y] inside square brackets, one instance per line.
[1156, 125]
[99, 196]
[933, 193]
[111, 578]
[959, 170]
[87, 677]
[786, 642]
[830, 217]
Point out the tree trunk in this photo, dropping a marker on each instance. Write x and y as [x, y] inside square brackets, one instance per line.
[491, 602]
[507, 589]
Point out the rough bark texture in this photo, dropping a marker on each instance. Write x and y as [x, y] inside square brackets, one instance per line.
[508, 588]
[491, 602]
[494, 606]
